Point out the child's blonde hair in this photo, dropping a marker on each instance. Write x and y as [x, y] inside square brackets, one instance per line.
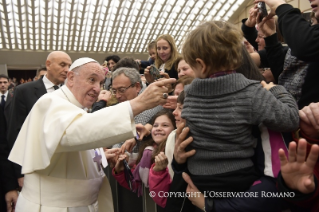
[217, 43]
[174, 52]
[151, 45]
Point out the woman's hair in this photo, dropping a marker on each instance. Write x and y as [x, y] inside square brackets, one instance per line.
[152, 45]
[184, 80]
[217, 43]
[181, 98]
[149, 140]
[174, 53]
[128, 62]
[115, 58]
[248, 68]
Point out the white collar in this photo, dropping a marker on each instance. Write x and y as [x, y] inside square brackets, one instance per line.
[47, 83]
[70, 97]
[5, 94]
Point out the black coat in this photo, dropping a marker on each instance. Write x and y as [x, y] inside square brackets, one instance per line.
[25, 96]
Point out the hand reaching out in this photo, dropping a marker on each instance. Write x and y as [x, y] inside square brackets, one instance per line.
[297, 170]
[119, 166]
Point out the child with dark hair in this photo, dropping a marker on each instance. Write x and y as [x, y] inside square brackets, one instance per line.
[163, 124]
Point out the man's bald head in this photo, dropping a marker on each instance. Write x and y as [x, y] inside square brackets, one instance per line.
[58, 64]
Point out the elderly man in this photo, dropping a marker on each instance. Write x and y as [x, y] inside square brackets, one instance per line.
[53, 146]
[127, 85]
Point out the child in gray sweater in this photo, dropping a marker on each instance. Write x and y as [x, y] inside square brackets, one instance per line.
[221, 107]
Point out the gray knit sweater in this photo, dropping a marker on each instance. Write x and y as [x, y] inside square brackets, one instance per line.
[220, 113]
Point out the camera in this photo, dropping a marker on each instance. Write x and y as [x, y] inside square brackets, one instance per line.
[155, 72]
[262, 10]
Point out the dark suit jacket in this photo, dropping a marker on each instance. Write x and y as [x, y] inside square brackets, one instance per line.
[7, 181]
[8, 104]
[25, 96]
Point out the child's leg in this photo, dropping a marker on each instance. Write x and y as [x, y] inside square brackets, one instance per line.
[260, 203]
[235, 181]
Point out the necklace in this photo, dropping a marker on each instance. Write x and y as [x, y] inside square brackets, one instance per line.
[65, 94]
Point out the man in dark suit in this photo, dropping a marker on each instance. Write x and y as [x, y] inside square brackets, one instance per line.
[27, 94]
[7, 182]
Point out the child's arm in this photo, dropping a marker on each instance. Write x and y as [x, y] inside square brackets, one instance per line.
[118, 172]
[275, 108]
[159, 179]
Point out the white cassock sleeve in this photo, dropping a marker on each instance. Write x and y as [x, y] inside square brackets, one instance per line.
[102, 128]
[56, 125]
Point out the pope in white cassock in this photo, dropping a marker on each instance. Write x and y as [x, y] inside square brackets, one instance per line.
[55, 146]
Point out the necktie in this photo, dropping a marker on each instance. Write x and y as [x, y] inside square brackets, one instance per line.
[3, 102]
[56, 87]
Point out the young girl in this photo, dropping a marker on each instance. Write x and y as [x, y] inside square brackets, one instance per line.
[163, 125]
[221, 106]
[160, 179]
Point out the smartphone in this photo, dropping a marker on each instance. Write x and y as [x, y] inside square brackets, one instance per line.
[262, 10]
[155, 72]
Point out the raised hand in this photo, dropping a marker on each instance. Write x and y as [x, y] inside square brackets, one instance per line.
[272, 4]
[161, 162]
[297, 171]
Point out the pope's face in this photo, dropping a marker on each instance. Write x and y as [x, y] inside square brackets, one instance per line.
[86, 83]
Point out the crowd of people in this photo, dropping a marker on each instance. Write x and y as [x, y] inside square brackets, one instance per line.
[206, 125]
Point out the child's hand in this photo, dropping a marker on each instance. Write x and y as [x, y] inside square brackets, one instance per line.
[161, 162]
[267, 86]
[111, 153]
[119, 166]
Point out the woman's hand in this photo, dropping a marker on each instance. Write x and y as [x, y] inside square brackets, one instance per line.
[267, 86]
[180, 155]
[149, 78]
[309, 120]
[196, 197]
[161, 162]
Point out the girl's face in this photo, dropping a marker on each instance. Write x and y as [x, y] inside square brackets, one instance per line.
[161, 129]
[178, 115]
[163, 50]
[152, 53]
[184, 69]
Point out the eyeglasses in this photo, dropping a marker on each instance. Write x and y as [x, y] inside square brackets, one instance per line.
[121, 90]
